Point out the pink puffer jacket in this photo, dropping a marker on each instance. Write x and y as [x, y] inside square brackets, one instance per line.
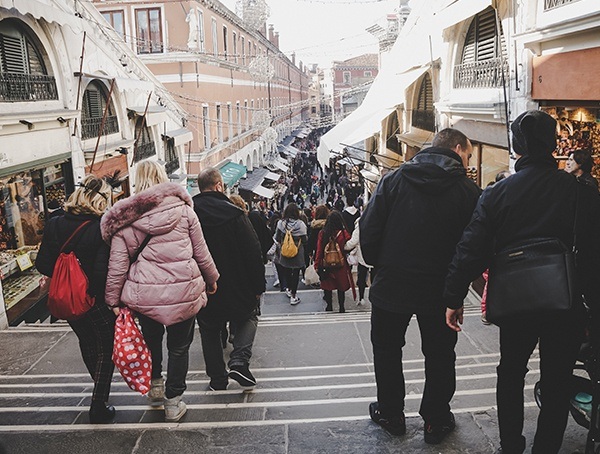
[167, 282]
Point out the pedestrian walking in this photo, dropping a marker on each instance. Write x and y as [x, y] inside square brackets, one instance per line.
[161, 268]
[363, 269]
[538, 201]
[339, 278]
[408, 232]
[291, 265]
[95, 330]
[237, 253]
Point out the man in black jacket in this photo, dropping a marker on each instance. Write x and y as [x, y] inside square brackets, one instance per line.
[409, 231]
[538, 201]
[236, 251]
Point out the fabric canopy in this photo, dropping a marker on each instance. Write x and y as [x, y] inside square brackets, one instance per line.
[278, 165]
[271, 176]
[264, 192]
[458, 11]
[231, 173]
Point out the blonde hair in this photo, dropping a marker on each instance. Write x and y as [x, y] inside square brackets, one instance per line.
[93, 196]
[149, 173]
[239, 202]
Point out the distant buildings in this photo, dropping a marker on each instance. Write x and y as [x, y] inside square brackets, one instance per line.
[351, 81]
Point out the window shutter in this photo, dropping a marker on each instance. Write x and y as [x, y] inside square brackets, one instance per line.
[426, 94]
[486, 35]
[13, 54]
[93, 103]
[469, 49]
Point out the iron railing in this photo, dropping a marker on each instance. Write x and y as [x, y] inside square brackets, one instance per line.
[143, 151]
[423, 119]
[27, 87]
[480, 74]
[90, 127]
[551, 4]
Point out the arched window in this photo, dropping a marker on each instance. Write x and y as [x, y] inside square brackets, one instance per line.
[95, 102]
[423, 116]
[483, 55]
[393, 128]
[23, 73]
[144, 145]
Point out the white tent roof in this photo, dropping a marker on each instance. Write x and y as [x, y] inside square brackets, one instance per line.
[410, 57]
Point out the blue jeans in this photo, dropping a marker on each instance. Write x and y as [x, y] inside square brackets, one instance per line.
[210, 333]
[179, 339]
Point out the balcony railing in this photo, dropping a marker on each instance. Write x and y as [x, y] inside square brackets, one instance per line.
[551, 4]
[423, 119]
[481, 74]
[27, 87]
[143, 151]
[90, 127]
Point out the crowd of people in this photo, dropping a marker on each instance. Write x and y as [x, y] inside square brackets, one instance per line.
[427, 232]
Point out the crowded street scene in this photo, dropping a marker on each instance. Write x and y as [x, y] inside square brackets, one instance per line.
[300, 226]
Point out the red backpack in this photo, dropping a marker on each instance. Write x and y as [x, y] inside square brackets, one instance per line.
[68, 298]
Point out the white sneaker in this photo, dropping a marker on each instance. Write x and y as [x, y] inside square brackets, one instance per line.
[288, 293]
[360, 302]
[174, 409]
[295, 300]
[276, 284]
[157, 392]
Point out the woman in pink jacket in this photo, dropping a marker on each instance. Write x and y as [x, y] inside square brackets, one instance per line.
[166, 284]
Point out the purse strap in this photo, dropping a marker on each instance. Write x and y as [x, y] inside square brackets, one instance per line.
[77, 230]
[133, 259]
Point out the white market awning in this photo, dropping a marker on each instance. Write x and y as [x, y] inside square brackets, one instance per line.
[271, 176]
[39, 10]
[179, 136]
[416, 138]
[278, 165]
[154, 115]
[125, 84]
[264, 192]
[458, 11]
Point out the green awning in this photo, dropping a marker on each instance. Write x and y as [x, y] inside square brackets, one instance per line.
[231, 173]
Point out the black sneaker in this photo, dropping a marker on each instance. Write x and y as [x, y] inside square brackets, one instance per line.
[217, 386]
[242, 375]
[435, 433]
[395, 425]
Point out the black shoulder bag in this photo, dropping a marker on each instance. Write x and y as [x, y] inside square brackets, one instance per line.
[137, 253]
[534, 278]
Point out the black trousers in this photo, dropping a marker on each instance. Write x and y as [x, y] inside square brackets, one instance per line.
[559, 339]
[179, 338]
[361, 280]
[292, 276]
[96, 333]
[388, 332]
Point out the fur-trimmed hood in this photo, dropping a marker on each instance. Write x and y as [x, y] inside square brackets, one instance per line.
[150, 211]
[317, 224]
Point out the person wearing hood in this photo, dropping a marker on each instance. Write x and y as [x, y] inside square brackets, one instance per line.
[167, 284]
[408, 232]
[291, 266]
[538, 201]
[236, 250]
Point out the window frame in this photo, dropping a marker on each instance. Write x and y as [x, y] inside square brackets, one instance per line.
[139, 43]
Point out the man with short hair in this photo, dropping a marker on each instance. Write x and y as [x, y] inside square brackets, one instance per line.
[409, 231]
[236, 251]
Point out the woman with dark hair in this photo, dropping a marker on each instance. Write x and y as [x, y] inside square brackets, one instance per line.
[580, 164]
[290, 266]
[339, 279]
[321, 213]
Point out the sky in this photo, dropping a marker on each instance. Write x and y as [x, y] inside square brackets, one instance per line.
[320, 31]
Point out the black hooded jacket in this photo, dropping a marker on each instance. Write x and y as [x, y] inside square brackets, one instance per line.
[537, 202]
[410, 228]
[236, 251]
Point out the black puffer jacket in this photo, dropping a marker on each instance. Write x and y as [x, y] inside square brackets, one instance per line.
[537, 202]
[236, 251]
[88, 246]
[410, 229]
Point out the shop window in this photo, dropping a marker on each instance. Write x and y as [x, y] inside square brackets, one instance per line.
[95, 102]
[484, 54]
[423, 116]
[144, 145]
[25, 200]
[117, 21]
[149, 31]
[23, 73]
[171, 157]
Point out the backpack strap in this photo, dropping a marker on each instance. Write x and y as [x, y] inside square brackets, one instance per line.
[133, 259]
[77, 230]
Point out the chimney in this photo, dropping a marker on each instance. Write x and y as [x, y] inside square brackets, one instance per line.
[294, 58]
[271, 34]
[276, 39]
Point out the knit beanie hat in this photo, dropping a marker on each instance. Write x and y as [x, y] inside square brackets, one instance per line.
[533, 133]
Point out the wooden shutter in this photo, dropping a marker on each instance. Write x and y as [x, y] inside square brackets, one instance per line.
[13, 54]
[426, 94]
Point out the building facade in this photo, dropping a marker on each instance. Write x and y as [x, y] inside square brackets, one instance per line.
[231, 78]
[351, 79]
